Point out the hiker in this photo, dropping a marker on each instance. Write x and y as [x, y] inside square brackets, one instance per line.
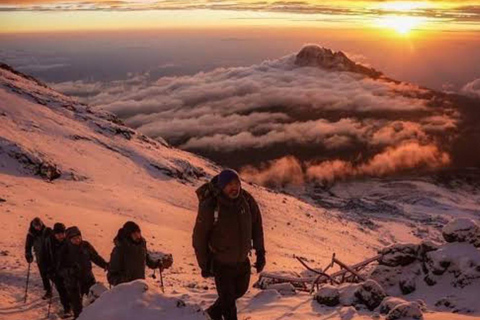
[130, 255]
[37, 233]
[53, 246]
[228, 223]
[75, 267]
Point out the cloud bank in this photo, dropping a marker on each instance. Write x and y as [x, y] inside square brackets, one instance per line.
[253, 115]
[291, 171]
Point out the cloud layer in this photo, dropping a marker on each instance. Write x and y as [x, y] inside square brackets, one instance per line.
[291, 171]
[252, 115]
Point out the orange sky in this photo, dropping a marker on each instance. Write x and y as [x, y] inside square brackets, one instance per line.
[399, 16]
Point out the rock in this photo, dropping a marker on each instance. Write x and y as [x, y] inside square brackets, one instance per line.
[316, 56]
[386, 276]
[2, 200]
[389, 303]
[430, 279]
[408, 310]
[328, 295]
[427, 246]
[48, 171]
[399, 254]
[370, 293]
[407, 283]
[462, 230]
[285, 289]
[34, 162]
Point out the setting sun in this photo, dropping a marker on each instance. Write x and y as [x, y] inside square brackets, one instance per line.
[401, 24]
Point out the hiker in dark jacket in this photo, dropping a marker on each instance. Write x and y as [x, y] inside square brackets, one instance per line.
[228, 224]
[130, 256]
[53, 246]
[75, 267]
[36, 236]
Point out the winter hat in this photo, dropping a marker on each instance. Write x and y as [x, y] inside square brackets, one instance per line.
[37, 222]
[73, 232]
[227, 176]
[58, 228]
[130, 227]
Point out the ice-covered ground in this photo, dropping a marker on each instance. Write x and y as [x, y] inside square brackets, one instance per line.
[63, 161]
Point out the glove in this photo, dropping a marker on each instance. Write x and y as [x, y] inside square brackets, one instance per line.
[207, 274]
[29, 257]
[261, 262]
[167, 262]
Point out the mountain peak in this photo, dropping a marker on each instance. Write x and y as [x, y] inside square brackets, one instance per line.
[316, 56]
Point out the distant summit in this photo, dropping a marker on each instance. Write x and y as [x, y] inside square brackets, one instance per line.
[316, 56]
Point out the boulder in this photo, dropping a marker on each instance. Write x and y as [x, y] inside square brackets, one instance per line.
[462, 230]
[407, 283]
[389, 303]
[400, 254]
[370, 293]
[328, 295]
[408, 310]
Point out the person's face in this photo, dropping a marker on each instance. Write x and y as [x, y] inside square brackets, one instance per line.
[60, 236]
[37, 227]
[232, 190]
[136, 236]
[76, 240]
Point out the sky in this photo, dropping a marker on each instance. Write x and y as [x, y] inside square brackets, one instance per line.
[219, 76]
[431, 43]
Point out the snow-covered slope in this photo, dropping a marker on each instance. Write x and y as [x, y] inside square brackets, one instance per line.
[64, 161]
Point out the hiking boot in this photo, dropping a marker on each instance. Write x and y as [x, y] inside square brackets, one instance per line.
[66, 314]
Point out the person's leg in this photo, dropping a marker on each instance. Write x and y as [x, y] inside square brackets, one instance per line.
[242, 279]
[45, 280]
[215, 310]
[75, 296]
[62, 292]
[225, 283]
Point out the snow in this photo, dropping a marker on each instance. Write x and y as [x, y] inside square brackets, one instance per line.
[140, 301]
[110, 174]
[462, 229]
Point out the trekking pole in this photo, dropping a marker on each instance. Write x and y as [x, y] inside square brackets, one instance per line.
[26, 286]
[50, 301]
[161, 280]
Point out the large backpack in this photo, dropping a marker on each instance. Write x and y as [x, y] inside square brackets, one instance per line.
[208, 191]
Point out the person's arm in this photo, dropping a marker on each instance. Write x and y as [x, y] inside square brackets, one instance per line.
[96, 258]
[28, 247]
[201, 233]
[115, 269]
[257, 226]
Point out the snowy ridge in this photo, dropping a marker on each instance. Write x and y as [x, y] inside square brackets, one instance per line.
[65, 161]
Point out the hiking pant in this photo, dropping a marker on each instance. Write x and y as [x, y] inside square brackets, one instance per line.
[62, 292]
[232, 282]
[76, 290]
[44, 275]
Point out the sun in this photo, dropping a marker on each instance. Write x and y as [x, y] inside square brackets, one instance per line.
[400, 24]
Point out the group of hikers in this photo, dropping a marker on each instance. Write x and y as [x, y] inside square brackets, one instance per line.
[228, 226]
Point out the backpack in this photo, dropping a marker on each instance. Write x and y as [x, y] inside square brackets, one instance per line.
[208, 191]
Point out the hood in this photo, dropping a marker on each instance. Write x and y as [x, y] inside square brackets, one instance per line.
[32, 229]
[122, 238]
